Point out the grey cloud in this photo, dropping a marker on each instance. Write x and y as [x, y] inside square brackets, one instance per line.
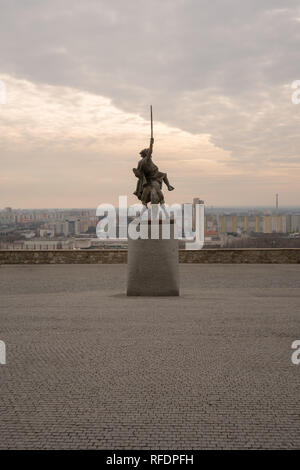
[206, 66]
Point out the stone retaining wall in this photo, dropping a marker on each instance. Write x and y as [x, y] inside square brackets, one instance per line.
[242, 255]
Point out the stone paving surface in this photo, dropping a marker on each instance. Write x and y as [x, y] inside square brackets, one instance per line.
[89, 368]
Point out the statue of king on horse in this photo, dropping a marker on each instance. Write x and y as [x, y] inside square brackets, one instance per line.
[150, 179]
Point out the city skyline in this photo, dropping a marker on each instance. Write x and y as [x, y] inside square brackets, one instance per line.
[77, 229]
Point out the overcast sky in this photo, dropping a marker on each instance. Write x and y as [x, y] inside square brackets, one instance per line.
[80, 75]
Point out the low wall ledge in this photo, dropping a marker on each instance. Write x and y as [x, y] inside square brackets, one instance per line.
[222, 256]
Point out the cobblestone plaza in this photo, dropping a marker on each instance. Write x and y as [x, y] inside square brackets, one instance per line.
[87, 367]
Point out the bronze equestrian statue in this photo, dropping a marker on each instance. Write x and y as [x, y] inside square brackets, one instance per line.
[150, 179]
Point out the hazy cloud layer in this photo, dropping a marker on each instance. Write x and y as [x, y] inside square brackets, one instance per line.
[220, 68]
[64, 147]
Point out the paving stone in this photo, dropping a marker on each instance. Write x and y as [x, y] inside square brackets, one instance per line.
[88, 367]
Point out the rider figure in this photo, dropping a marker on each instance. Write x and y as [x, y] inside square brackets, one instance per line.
[150, 179]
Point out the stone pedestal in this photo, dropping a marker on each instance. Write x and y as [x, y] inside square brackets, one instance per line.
[152, 268]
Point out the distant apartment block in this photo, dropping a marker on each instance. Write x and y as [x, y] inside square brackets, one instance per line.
[232, 223]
